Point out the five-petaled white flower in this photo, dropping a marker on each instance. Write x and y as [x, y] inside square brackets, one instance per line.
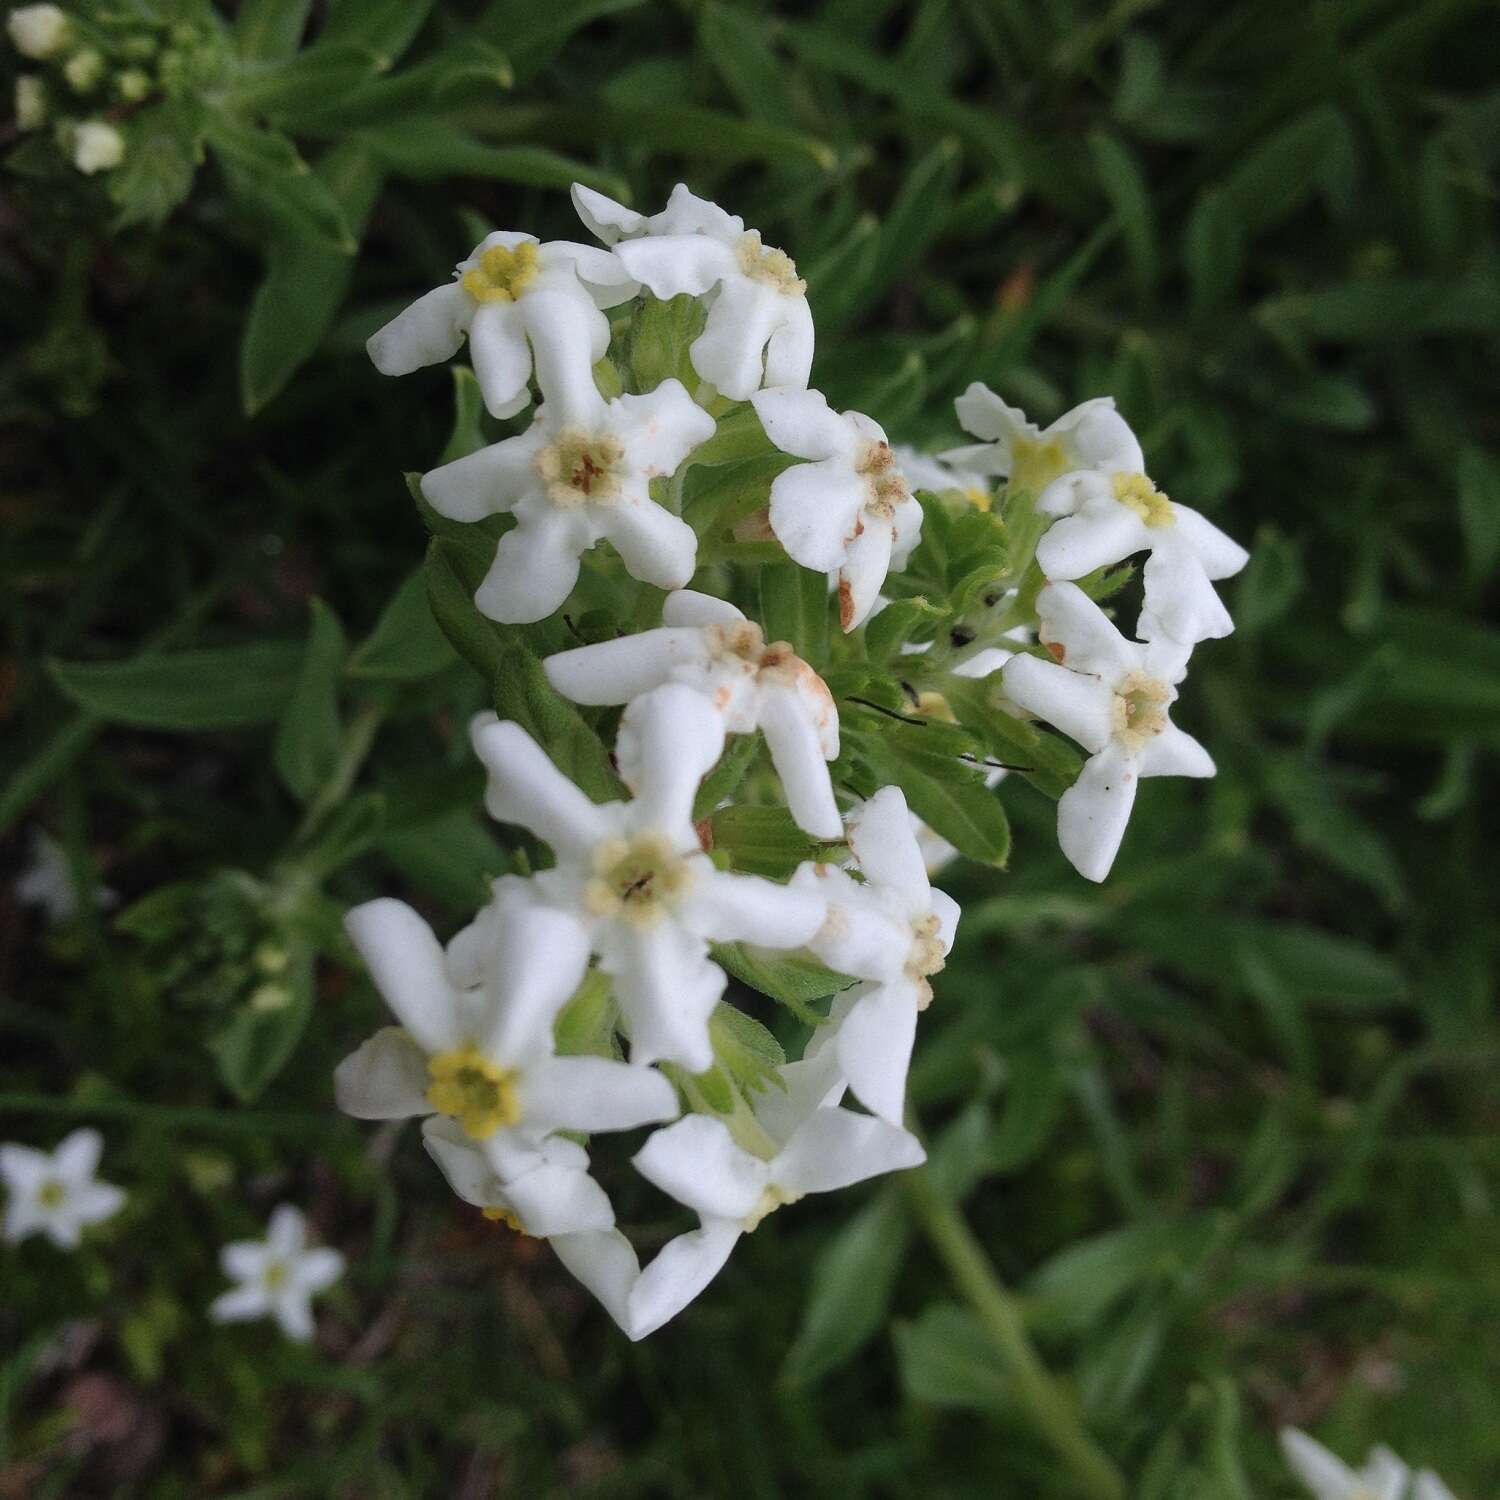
[796, 1141]
[892, 929]
[1383, 1477]
[849, 510]
[572, 478]
[759, 330]
[277, 1276]
[1106, 515]
[520, 302]
[56, 1193]
[1092, 435]
[483, 1054]
[633, 876]
[1112, 696]
[709, 645]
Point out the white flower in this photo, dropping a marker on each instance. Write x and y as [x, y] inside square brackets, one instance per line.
[709, 645]
[482, 1053]
[56, 1193]
[849, 510]
[632, 875]
[97, 147]
[48, 884]
[573, 477]
[1108, 514]
[940, 475]
[1112, 696]
[39, 31]
[84, 69]
[891, 929]
[1093, 435]
[277, 1276]
[520, 303]
[31, 102]
[1383, 1477]
[1429, 1487]
[554, 1196]
[759, 329]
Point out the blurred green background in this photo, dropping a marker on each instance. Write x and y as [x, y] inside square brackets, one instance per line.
[1228, 1123]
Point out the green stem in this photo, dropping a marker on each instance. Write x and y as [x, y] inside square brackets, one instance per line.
[357, 745]
[1044, 1400]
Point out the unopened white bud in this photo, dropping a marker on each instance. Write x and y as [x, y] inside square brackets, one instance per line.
[84, 69]
[97, 147]
[39, 31]
[31, 103]
[133, 85]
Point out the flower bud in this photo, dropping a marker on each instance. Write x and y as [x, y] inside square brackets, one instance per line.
[39, 31]
[133, 85]
[31, 103]
[97, 147]
[84, 69]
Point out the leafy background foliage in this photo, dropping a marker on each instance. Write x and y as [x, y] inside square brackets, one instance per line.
[1228, 1124]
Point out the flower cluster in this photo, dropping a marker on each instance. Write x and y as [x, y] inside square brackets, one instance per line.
[588, 995]
[1383, 1477]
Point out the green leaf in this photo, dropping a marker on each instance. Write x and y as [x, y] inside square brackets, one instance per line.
[310, 734]
[406, 644]
[945, 1360]
[467, 434]
[159, 166]
[660, 336]
[479, 641]
[737, 45]
[227, 687]
[900, 622]
[265, 171]
[726, 777]
[267, 91]
[258, 1042]
[430, 152]
[1129, 195]
[850, 1295]
[794, 606]
[381, 29]
[744, 1048]
[1479, 513]
[533, 34]
[523, 694]
[269, 30]
[796, 983]
[761, 840]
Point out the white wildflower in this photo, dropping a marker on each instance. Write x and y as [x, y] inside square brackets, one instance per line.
[278, 1276]
[48, 882]
[56, 1193]
[1384, 1476]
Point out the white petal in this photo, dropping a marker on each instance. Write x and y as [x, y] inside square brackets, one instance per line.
[1093, 812]
[686, 607]
[617, 671]
[595, 1093]
[984, 460]
[559, 1200]
[796, 739]
[815, 512]
[293, 1315]
[244, 1260]
[1174, 753]
[465, 1168]
[605, 1262]
[836, 1148]
[1430, 1487]
[566, 330]
[384, 1079]
[286, 1233]
[94, 1202]
[541, 955]
[426, 333]
[488, 481]
[880, 836]
[526, 789]
[600, 272]
[603, 216]
[240, 1305]
[77, 1155]
[686, 213]
[668, 742]
[1220, 554]
[874, 1047]
[859, 936]
[1317, 1468]
[800, 422]
[866, 562]
[669, 265]
[947, 911]
[906, 533]
[667, 989]
[1384, 1474]
[683, 1267]
[661, 427]
[730, 352]
[814, 1082]
[789, 353]
[500, 355]
[655, 546]
[982, 413]
[697, 1162]
[1099, 437]
[1181, 599]
[1070, 619]
[535, 568]
[406, 964]
[318, 1269]
[1079, 544]
[23, 1168]
[732, 908]
[1079, 705]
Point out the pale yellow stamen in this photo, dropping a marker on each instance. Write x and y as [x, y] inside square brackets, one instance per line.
[581, 468]
[504, 1216]
[639, 880]
[766, 264]
[476, 1092]
[926, 957]
[502, 275]
[1035, 464]
[1137, 493]
[770, 1200]
[1140, 709]
[51, 1194]
[978, 498]
[888, 486]
[275, 1276]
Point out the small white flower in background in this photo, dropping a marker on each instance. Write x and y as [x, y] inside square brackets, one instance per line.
[633, 876]
[1429, 1487]
[97, 147]
[848, 510]
[709, 645]
[1112, 696]
[278, 1276]
[39, 31]
[483, 1055]
[926, 471]
[56, 1193]
[48, 883]
[892, 929]
[1383, 1477]
[520, 303]
[759, 330]
[31, 103]
[1093, 435]
[1106, 515]
[572, 478]
[797, 1141]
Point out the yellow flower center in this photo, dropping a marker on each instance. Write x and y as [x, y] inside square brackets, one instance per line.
[275, 1276]
[770, 1200]
[639, 880]
[888, 486]
[502, 275]
[581, 468]
[1137, 493]
[471, 1089]
[978, 498]
[926, 956]
[1140, 709]
[766, 264]
[933, 705]
[51, 1194]
[1035, 464]
[504, 1216]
